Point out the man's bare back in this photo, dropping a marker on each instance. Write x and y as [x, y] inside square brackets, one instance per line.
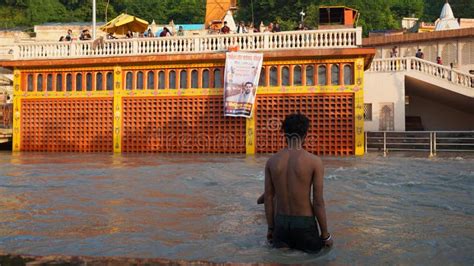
[291, 176]
[292, 173]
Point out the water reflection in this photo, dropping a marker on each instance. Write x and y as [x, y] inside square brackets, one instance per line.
[397, 210]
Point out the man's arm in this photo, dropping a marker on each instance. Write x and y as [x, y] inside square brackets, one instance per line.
[319, 207]
[269, 195]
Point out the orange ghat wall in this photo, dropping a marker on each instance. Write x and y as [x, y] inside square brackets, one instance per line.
[99, 109]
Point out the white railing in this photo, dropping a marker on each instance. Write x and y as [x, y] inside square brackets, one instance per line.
[313, 39]
[416, 64]
[432, 141]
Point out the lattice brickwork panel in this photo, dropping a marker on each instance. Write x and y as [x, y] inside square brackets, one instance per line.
[180, 124]
[67, 125]
[331, 116]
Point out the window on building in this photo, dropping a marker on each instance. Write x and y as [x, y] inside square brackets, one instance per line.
[30, 82]
[39, 82]
[367, 112]
[79, 82]
[348, 75]
[49, 82]
[205, 78]
[285, 76]
[183, 79]
[110, 81]
[99, 82]
[309, 75]
[140, 80]
[194, 79]
[297, 79]
[273, 76]
[59, 82]
[322, 73]
[335, 75]
[150, 81]
[161, 80]
[217, 78]
[261, 80]
[69, 82]
[129, 81]
[172, 79]
[89, 81]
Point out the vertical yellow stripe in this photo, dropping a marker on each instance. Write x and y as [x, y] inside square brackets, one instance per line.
[250, 137]
[16, 110]
[359, 107]
[117, 134]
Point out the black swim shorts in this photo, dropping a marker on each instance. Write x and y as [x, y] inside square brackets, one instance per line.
[297, 232]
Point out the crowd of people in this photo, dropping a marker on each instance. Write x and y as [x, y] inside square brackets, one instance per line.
[242, 27]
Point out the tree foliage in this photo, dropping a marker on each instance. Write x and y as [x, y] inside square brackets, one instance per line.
[375, 14]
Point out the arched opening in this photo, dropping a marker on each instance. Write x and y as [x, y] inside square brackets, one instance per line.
[297, 78]
[150, 81]
[129, 81]
[335, 75]
[183, 79]
[322, 73]
[194, 79]
[79, 82]
[205, 78]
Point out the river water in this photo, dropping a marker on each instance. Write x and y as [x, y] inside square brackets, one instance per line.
[403, 209]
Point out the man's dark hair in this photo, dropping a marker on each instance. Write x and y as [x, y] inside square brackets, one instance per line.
[295, 125]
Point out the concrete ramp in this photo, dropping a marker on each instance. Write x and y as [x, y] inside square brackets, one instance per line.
[439, 76]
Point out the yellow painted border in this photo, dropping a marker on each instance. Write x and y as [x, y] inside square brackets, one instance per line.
[118, 118]
[62, 69]
[359, 107]
[250, 137]
[66, 94]
[16, 110]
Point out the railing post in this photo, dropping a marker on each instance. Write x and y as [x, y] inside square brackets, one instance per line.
[72, 50]
[135, 46]
[197, 45]
[434, 143]
[366, 142]
[16, 52]
[385, 144]
[358, 41]
[266, 41]
[431, 144]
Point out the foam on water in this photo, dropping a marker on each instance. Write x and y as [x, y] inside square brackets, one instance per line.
[397, 210]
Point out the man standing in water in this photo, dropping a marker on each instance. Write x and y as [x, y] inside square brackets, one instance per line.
[289, 176]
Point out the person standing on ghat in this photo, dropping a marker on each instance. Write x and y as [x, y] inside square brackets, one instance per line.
[289, 176]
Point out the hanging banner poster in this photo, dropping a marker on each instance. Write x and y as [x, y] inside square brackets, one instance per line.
[241, 76]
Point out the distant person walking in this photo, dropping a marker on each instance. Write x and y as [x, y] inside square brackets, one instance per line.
[419, 54]
[439, 62]
[291, 176]
[394, 52]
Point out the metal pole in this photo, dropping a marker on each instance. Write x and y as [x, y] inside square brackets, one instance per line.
[434, 143]
[94, 11]
[384, 144]
[431, 144]
[366, 144]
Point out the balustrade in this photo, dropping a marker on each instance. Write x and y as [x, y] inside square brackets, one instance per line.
[314, 39]
[427, 67]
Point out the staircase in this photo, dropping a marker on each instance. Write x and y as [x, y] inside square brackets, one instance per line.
[439, 75]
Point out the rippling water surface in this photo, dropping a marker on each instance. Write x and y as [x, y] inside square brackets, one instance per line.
[396, 210]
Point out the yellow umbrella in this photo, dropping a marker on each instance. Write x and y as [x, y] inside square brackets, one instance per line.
[123, 23]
